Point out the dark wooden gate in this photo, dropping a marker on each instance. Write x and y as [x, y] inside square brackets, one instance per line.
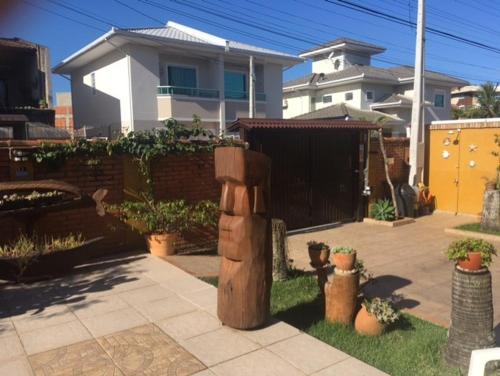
[314, 175]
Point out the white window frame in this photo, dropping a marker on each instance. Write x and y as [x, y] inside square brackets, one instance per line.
[347, 93]
[436, 93]
[195, 67]
[366, 95]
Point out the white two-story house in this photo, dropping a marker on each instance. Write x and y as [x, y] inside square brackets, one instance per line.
[133, 79]
[343, 80]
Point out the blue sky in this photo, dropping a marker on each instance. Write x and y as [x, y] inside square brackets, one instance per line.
[286, 25]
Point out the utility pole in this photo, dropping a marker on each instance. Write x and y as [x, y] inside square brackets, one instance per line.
[251, 91]
[417, 112]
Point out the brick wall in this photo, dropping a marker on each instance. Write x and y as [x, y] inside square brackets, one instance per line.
[398, 150]
[190, 177]
[64, 117]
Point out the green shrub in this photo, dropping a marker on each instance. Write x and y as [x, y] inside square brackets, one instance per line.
[167, 216]
[346, 250]
[383, 210]
[383, 310]
[459, 250]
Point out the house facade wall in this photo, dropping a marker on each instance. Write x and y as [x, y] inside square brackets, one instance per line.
[100, 93]
[442, 113]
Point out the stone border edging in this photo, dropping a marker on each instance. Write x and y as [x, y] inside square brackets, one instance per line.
[473, 234]
[397, 223]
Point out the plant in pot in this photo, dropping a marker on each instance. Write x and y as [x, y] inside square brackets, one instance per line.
[344, 258]
[319, 253]
[162, 221]
[374, 316]
[471, 254]
[383, 210]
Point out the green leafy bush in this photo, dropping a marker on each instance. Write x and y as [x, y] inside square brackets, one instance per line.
[459, 250]
[383, 210]
[167, 216]
[346, 250]
[382, 309]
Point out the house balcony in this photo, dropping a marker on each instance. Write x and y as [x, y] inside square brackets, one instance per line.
[182, 103]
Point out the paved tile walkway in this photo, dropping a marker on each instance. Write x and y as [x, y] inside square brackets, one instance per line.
[141, 315]
[407, 260]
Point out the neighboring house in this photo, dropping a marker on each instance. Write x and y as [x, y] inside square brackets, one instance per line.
[64, 111]
[467, 96]
[25, 77]
[132, 79]
[342, 73]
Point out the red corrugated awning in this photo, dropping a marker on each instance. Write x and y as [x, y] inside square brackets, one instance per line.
[257, 123]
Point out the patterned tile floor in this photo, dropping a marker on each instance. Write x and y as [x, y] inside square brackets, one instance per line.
[140, 315]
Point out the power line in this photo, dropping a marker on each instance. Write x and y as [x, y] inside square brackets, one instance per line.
[64, 16]
[139, 12]
[373, 12]
[83, 13]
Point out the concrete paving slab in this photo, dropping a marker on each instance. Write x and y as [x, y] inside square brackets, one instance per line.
[189, 325]
[218, 346]
[307, 353]
[164, 308]
[113, 321]
[261, 362]
[55, 336]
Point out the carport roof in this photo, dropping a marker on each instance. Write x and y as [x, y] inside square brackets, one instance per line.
[257, 123]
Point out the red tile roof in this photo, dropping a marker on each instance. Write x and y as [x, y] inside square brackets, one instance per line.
[257, 123]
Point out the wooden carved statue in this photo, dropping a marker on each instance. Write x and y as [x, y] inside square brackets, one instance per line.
[245, 275]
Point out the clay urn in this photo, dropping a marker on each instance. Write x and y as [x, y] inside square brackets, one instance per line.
[367, 324]
[319, 253]
[474, 261]
[344, 261]
[161, 245]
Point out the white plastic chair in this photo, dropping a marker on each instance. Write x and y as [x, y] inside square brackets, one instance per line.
[479, 358]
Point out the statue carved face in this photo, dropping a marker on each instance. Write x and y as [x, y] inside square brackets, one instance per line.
[243, 203]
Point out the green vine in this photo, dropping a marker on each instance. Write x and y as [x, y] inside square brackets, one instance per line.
[143, 147]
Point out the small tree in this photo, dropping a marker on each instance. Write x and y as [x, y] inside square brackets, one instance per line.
[380, 122]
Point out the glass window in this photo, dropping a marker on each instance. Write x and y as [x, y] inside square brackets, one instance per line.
[439, 100]
[235, 84]
[369, 95]
[348, 96]
[181, 76]
[327, 98]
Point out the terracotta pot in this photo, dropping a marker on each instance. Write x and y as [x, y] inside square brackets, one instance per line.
[319, 256]
[367, 324]
[473, 261]
[161, 245]
[344, 261]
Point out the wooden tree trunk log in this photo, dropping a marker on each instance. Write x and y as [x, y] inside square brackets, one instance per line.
[341, 298]
[490, 220]
[280, 250]
[471, 316]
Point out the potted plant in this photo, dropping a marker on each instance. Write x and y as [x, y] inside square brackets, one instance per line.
[383, 210]
[471, 254]
[319, 253]
[374, 316]
[344, 258]
[161, 222]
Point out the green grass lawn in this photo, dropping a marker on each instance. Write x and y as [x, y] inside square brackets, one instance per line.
[411, 347]
[476, 227]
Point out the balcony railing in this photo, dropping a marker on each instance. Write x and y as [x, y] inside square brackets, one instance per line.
[189, 91]
[207, 93]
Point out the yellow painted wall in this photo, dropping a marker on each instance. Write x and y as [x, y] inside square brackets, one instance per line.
[458, 181]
